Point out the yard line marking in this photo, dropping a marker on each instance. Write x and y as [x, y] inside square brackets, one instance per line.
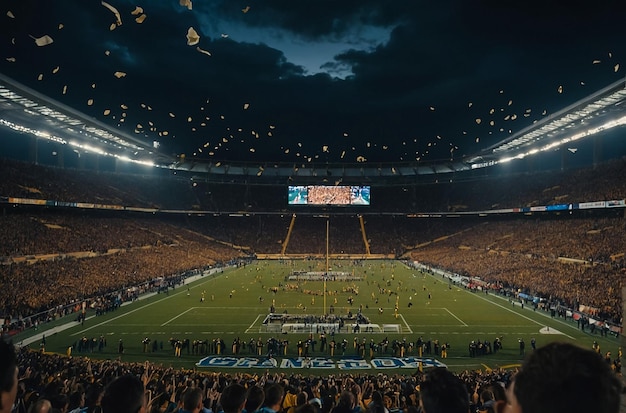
[461, 321]
[406, 324]
[174, 318]
[253, 323]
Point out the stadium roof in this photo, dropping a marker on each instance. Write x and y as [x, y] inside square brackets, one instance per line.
[351, 89]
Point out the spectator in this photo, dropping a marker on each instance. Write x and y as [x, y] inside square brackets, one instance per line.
[233, 398]
[8, 376]
[274, 394]
[192, 401]
[443, 392]
[562, 377]
[255, 399]
[124, 394]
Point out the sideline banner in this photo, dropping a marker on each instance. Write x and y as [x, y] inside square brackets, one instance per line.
[345, 363]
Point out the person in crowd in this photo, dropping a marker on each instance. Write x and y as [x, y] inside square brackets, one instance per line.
[255, 398]
[443, 392]
[274, 394]
[233, 398]
[562, 377]
[124, 394]
[8, 376]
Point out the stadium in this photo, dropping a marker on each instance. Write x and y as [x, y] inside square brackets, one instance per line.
[133, 244]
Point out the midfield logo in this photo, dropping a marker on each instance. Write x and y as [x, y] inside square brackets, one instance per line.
[346, 363]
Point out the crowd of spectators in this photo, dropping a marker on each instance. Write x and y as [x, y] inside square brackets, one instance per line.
[72, 382]
[90, 253]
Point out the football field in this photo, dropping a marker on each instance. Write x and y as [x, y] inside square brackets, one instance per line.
[399, 303]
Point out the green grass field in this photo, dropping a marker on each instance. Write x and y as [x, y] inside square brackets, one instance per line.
[237, 301]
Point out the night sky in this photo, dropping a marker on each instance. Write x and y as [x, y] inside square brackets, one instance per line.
[315, 81]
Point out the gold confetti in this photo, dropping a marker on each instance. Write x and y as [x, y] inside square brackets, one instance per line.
[10, 14]
[206, 52]
[123, 106]
[65, 89]
[595, 62]
[55, 70]
[43, 40]
[192, 37]
[118, 17]
[189, 119]
[246, 9]
[138, 10]
[616, 68]
[40, 77]
[119, 75]
[246, 106]
[61, 26]
[478, 120]
[11, 59]
[560, 89]
[172, 115]
[141, 18]
[360, 158]
[106, 112]
[90, 102]
[107, 52]
[186, 3]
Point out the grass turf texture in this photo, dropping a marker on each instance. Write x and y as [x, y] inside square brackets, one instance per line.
[238, 299]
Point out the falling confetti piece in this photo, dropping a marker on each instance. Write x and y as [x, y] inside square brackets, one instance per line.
[65, 89]
[138, 10]
[40, 77]
[325, 148]
[246, 106]
[55, 70]
[477, 140]
[61, 26]
[478, 120]
[118, 17]
[93, 85]
[107, 112]
[246, 9]
[360, 158]
[43, 40]
[124, 107]
[90, 102]
[107, 52]
[119, 75]
[192, 37]
[616, 68]
[432, 108]
[141, 18]
[595, 62]
[186, 3]
[189, 119]
[172, 115]
[469, 105]
[113, 26]
[11, 59]
[206, 52]
[10, 14]
[560, 89]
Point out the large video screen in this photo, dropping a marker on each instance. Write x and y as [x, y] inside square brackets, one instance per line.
[328, 195]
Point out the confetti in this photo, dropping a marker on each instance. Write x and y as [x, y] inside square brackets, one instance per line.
[10, 14]
[119, 75]
[11, 59]
[141, 18]
[192, 37]
[90, 102]
[206, 52]
[138, 10]
[55, 70]
[40, 77]
[246, 106]
[65, 89]
[616, 68]
[186, 3]
[246, 9]
[560, 89]
[118, 16]
[43, 40]
[106, 112]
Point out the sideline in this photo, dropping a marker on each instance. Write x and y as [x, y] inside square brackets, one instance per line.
[62, 327]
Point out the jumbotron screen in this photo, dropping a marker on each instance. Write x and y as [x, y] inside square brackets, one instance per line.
[328, 195]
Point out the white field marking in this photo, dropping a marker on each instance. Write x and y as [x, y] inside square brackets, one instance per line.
[461, 321]
[253, 323]
[406, 324]
[507, 309]
[139, 308]
[179, 315]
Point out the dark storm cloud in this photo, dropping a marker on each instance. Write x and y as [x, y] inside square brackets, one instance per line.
[424, 77]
